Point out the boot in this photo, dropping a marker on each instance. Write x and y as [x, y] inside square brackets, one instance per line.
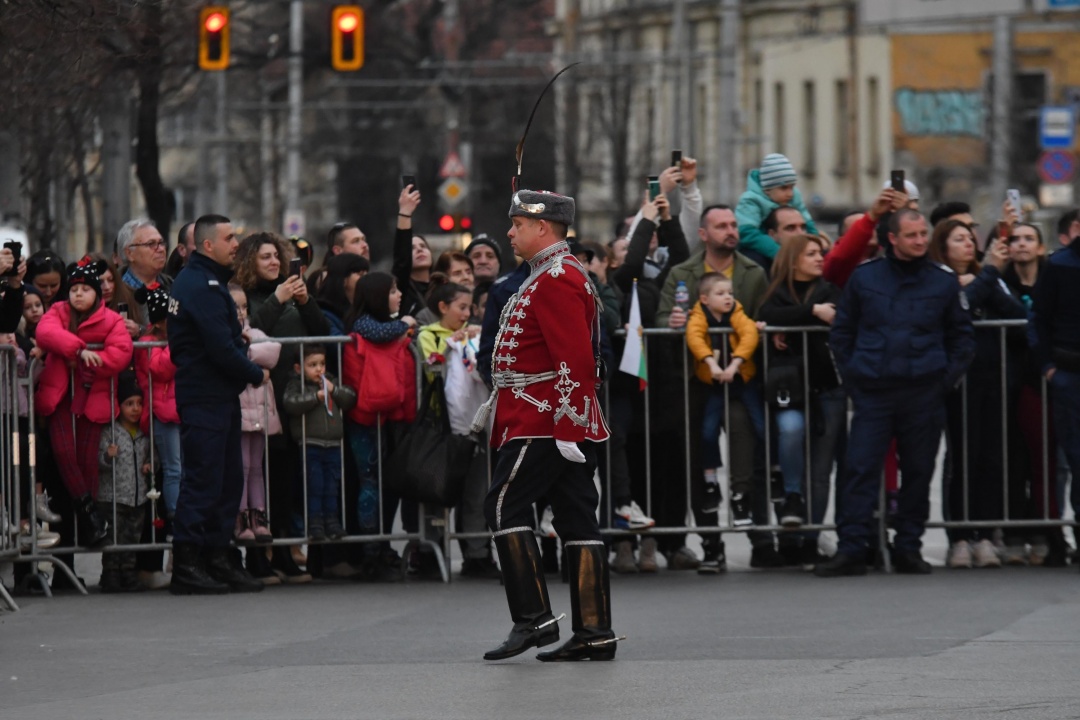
[93, 527]
[624, 557]
[334, 529]
[189, 576]
[258, 565]
[223, 564]
[282, 562]
[526, 594]
[590, 602]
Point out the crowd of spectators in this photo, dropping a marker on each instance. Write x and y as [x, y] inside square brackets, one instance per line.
[877, 321]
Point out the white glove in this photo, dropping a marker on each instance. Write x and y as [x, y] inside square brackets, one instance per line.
[570, 451]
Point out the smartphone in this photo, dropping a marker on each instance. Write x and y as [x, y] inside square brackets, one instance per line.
[407, 180]
[654, 186]
[122, 310]
[295, 267]
[676, 158]
[1013, 196]
[897, 180]
[16, 251]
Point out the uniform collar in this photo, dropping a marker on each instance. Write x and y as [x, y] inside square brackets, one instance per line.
[548, 254]
[223, 273]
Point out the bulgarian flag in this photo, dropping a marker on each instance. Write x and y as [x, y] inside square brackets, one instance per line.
[633, 358]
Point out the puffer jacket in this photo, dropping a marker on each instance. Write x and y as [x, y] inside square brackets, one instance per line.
[743, 340]
[384, 375]
[155, 366]
[128, 484]
[257, 404]
[93, 397]
[308, 416]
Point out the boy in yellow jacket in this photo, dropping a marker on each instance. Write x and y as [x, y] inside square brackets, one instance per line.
[729, 368]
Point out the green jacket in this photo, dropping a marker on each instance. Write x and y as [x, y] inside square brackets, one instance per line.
[324, 429]
[748, 280]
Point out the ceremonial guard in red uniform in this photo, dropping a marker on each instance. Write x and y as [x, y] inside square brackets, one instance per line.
[546, 423]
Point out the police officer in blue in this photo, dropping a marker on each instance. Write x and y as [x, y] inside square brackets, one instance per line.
[212, 369]
[902, 338]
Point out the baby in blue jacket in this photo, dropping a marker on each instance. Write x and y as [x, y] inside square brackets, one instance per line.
[767, 188]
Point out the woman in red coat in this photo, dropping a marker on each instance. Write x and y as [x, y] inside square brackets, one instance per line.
[75, 389]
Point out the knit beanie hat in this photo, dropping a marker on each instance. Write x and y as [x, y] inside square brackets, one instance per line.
[156, 300]
[127, 387]
[87, 272]
[484, 239]
[776, 170]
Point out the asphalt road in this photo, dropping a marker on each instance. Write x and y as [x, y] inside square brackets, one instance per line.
[778, 644]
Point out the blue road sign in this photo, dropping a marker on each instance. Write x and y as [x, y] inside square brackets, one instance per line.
[1056, 166]
[1057, 128]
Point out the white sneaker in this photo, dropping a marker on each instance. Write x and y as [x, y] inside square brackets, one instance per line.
[985, 554]
[960, 554]
[1015, 555]
[45, 539]
[1039, 551]
[546, 528]
[630, 517]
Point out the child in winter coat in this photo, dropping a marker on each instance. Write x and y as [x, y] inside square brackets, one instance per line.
[449, 349]
[316, 405]
[259, 419]
[124, 453]
[718, 308]
[78, 410]
[381, 367]
[156, 374]
[767, 188]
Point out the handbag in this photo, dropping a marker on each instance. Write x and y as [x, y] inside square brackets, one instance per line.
[429, 463]
[784, 386]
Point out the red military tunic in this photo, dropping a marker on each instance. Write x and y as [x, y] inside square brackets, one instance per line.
[544, 356]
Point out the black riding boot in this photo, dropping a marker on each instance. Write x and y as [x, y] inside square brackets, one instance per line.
[590, 602]
[526, 594]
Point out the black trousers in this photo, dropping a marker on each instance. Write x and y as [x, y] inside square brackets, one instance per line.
[527, 470]
[213, 474]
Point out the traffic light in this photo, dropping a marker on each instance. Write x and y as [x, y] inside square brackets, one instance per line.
[455, 223]
[214, 37]
[347, 37]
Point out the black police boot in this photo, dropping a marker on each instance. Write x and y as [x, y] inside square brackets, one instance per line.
[224, 565]
[93, 526]
[526, 594]
[189, 576]
[590, 602]
[840, 565]
[910, 562]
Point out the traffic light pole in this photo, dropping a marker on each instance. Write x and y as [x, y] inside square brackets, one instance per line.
[221, 151]
[296, 99]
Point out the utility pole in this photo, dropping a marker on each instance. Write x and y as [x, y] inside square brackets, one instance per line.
[852, 109]
[1001, 111]
[296, 100]
[729, 114]
[221, 150]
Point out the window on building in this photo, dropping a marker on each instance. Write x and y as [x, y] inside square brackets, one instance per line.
[842, 165]
[809, 124]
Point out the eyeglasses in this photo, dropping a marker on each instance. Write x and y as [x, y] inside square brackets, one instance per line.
[154, 244]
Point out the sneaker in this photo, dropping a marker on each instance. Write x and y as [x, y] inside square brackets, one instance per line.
[740, 510]
[483, 568]
[715, 561]
[315, 530]
[546, 527]
[1016, 554]
[334, 529]
[630, 517]
[985, 554]
[624, 558]
[793, 511]
[766, 556]
[712, 497]
[960, 555]
[156, 580]
[647, 556]
[1039, 551]
[683, 559]
[243, 532]
[44, 512]
[45, 539]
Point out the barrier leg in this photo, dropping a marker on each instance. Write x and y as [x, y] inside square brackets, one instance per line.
[8, 600]
[883, 530]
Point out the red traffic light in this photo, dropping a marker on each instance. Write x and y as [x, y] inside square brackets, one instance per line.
[214, 22]
[348, 22]
[446, 223]
[465, 222]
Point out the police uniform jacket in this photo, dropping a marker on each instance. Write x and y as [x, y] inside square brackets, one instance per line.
[205, 340]
[902, 323]
[546, 331]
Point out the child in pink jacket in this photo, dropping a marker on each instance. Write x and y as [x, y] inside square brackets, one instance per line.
[259, 419]
[155, 373]
[76, 388]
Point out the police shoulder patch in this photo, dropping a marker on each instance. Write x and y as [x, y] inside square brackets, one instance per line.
[946, 268]
[213, 283]
[964, 301]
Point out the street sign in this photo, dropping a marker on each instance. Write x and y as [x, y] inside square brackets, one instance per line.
[1056, 166]
[1058, 5]
[1057, 127]
[452, 166]
[1056, 196]
[453, 191]
[295, 223]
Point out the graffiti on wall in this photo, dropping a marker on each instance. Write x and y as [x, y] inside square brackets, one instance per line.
[941, 112]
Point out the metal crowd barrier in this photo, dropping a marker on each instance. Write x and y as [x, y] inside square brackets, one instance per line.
[11, 462]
